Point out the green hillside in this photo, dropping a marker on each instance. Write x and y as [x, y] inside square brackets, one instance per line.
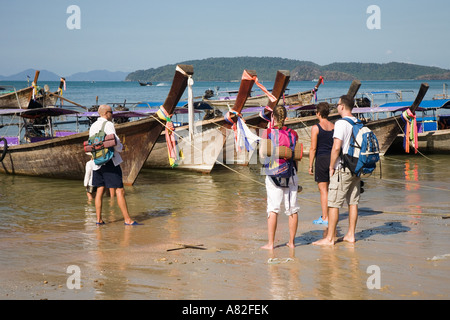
[230, 69]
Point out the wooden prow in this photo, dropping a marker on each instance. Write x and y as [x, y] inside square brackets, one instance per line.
[354, 87]
[318, 83]
[420, 95]
[244, 91]
[179, 83]
[281, 82]
[36, 76]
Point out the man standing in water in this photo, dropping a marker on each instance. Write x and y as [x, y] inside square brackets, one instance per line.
[343, 185]
[109, 175]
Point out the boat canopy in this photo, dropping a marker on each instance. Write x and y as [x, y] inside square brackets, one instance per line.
[288, 108]
[383, 109]
[156, 104]
[33, 113]
[425, 104]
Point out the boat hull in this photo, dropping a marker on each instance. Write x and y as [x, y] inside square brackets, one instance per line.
[199, 153]
[16, 100]
[299, 99]
[65, 158]
[217, 144]
[429, 142]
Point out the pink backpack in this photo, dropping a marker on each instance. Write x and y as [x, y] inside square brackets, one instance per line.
[281, 168]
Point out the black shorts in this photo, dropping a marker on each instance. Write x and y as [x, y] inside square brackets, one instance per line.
[91, 189]
[322, 168]
[108, 176]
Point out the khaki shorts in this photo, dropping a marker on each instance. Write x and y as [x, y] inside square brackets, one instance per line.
[343, 186]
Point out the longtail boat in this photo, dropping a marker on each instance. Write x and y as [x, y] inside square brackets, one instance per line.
[48, 98]
[64, 157]
[433, 127]
[302, 125]
[386, 129]
[299, 99]
[15, 99]
[24, 98]
[210, 144]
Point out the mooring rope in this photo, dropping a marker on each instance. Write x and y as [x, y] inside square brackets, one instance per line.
[315, 201]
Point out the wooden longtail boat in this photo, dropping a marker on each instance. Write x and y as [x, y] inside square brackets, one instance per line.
[201, 150]
[302, 125]
[299, 99]
[207, 146]
[386, 129]
[433, 128]
[22, 99]
[17, 99]
[45, 98]
[64, 157]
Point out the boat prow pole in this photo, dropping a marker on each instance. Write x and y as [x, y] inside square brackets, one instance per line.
[354, 87]
[281, 82]
[245, 89]
[420, 95]
[179, 83]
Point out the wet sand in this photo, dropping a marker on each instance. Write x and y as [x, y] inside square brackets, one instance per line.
[402, 234]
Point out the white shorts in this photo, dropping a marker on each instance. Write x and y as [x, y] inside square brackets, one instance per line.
[276, 195]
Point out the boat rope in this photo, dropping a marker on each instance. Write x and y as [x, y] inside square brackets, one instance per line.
[316, 201]
[217, 161]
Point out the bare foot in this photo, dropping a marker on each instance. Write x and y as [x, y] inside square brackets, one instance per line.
[323, 242]
[267, 247]
[350, 239]
[290, 245]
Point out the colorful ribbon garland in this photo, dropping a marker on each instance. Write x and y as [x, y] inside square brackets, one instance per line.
[171, 141]
[410, 130]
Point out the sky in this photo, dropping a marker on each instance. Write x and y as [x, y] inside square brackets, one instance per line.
[136, 34]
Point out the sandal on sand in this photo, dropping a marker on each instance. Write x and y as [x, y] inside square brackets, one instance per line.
[134, 223]
[320, 221]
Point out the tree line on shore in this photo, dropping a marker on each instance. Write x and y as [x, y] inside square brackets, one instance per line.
[230, 69]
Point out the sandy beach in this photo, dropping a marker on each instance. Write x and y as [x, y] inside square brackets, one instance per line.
[401, 250]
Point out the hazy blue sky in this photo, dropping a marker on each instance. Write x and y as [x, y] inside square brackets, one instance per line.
[137, 34]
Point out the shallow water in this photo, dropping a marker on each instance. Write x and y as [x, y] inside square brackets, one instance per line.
[47, 225]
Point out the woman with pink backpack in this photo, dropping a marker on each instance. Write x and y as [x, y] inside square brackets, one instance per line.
[278, 150]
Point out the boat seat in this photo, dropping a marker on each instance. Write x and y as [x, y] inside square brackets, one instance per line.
[37, 139]
[11, 141]
[64, 133]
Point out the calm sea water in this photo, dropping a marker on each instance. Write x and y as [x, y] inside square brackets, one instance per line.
[86, 93]
[47, 225]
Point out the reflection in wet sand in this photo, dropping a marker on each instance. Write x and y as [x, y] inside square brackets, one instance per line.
[47, 225]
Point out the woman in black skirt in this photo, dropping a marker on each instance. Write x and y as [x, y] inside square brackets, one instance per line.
[321, 143]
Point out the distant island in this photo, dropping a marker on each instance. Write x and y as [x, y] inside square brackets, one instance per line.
[45, 75]
[230, 69]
